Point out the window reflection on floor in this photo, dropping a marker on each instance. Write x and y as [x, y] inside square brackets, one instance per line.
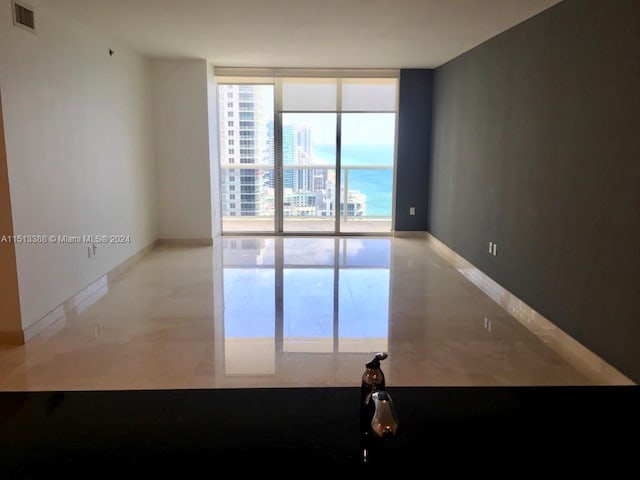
[288, 296]
[363, 310]
[248, 321]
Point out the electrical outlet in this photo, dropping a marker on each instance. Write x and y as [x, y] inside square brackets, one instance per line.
[490, 248]
[412, 210]
[487, 324]
[495, 249]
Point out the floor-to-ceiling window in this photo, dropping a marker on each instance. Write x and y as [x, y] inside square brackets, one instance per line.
[307, 153]
[368, 126]
[247, 175]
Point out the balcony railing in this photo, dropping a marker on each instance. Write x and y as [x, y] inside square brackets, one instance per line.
[309, 202]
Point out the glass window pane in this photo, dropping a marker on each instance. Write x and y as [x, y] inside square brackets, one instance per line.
[309, 209]
[368, 150]
[309, 176]
[309, 139]
[369, 94]
[246, 155]
[368, 139]
[310, 201]
[369, 192]
[309, 94]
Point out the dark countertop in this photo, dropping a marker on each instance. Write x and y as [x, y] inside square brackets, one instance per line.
[133, 432]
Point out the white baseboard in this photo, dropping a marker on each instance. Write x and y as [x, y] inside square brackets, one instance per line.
[185, 242]
[580, 357]
[410, 234]
[84, 298]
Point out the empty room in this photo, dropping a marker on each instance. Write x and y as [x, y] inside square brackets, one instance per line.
[258, 222]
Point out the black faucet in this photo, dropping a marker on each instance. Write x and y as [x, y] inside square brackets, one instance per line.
[378, 419]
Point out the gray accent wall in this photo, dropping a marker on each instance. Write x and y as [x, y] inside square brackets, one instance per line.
[536, 146]
[414, 149]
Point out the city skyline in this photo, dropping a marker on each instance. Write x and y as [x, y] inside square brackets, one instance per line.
[308, 142]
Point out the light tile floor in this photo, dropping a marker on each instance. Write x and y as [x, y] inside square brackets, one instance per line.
[271, 312]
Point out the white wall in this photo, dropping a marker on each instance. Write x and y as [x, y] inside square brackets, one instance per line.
[80, 151]
[214, 153]
[180, 112]
[10, 322]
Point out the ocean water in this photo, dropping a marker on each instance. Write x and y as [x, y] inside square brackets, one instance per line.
[377, 185]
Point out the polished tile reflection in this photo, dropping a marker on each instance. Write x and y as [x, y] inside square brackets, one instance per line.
[314, 295]
[274, 311]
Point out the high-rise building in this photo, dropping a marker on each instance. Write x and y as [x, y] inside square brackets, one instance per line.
[356, 205]
[249, 139]
[271, 153]
[243, 142]
[289, 147]
[296, 150]
[305, 175]
[304, 139]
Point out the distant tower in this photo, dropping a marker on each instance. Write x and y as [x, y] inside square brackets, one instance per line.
[304, 139]
[271, 149]
[242, 143]
[305, 176]
[290, 179]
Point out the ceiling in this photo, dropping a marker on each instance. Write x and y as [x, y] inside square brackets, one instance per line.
[304, 33]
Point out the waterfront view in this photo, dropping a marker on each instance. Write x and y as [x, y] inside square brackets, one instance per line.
[290, 165]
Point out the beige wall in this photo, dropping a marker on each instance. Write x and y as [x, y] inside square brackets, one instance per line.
[181, 127]
[214, 158]
[79, 142]
[10, 324]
